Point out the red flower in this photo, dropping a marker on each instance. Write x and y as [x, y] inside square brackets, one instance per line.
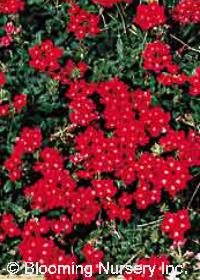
[169, 79]
[104, 188]
[69, 72]
[194, 81]
[110, 3]
[155, 121]
[2, 79]
[82, 23]
[8, 227]
[51, 161]
[20, 101]
[176, 225]
[157, 56]
[149, 16]
[9, 27]
[5, 40]
[187, 147]
[11, 6]
[45, 57]
[92, 255]
[187, 11]
[44, 251]
[82, 107]
[83, 206]
[28, 142]
[154, 261]
[4, 110]
[60, 226]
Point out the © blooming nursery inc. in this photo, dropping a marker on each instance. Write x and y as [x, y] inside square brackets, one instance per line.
[99, 135]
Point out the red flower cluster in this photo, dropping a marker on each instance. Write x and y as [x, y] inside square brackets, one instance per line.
[159, 263]
[186, 146]
[157, 56]
[110, 3]
[2, 79]
[116, 132]
[116, 99]
[156, 174]
[18, 103]
[104, 188]
[45, 57]
[92, 257]
[118, 210]
[83, 204]
[70, 71]
[169, 79]
[132, 121]
[99, 153]
[8, 227]
[132, 125]
[82, 106]
[155, 128]
[60, 190]
[56, 182]
[82, 23]
[83, 207]
[5, 41]
[187, 11]
[61, 226]
[149, 16]
[36, 248]
[176, 225]
[4, 110]
[11, 6]
[28, 142]
[194, 81]
[10, 30]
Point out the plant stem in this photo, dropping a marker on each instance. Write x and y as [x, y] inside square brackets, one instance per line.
[184, 44]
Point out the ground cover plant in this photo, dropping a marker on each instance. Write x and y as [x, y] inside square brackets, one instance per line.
[99, 134]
